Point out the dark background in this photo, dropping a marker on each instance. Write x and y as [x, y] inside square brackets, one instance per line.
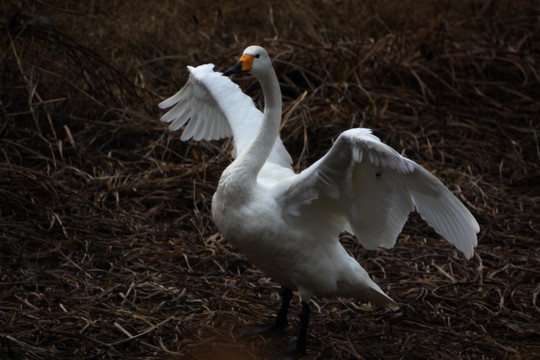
[107, 248]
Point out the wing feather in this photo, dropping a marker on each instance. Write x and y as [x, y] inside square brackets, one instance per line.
[373, 189]
[213, 107]
[179, 117]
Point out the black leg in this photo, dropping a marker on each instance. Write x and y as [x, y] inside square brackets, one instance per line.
[281, 318]
[301, 345]
[279, 325]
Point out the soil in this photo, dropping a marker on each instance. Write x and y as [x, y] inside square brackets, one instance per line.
[107, 246]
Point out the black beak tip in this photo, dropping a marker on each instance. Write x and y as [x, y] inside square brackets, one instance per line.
[234, 70]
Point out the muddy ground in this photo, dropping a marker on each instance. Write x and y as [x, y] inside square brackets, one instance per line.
[107, 247]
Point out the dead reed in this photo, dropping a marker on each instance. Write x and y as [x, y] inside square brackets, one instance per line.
[107, 246]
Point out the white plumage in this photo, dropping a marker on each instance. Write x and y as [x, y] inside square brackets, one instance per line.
[288, 224]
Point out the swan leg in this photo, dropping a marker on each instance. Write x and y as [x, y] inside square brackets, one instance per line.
[281, 318]
[280, 323]
[301, 345]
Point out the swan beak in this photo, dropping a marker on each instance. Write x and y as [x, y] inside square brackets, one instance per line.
[236, 69]
[244, 65]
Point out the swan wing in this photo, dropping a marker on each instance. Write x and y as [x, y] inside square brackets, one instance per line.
[372, 189]
[213, 107]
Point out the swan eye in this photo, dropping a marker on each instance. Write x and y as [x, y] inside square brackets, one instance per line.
[257, 56]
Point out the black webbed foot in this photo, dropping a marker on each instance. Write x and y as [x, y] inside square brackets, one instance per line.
[279, 325]
[294, 354]
[272, 329]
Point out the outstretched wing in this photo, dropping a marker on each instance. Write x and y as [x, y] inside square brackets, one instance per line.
[213, 107]
[372, 189]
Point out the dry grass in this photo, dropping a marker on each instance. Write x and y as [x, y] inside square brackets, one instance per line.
[107, 246]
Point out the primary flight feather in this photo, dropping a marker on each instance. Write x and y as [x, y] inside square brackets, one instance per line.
[287, 223]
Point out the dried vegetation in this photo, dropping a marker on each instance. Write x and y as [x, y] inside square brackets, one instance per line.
[107, 247]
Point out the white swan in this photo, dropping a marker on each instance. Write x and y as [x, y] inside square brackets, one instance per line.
[288, 224]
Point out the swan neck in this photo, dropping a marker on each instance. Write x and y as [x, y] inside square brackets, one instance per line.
[272, 98]
[255, 155]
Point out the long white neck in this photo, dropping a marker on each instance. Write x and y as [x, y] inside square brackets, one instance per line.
[252, 159]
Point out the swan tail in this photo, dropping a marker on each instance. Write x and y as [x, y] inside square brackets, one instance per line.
[379, 298]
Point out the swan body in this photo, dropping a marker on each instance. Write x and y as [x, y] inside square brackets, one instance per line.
[288, 224]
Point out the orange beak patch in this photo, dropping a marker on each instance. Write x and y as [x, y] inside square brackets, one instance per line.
[247, 62]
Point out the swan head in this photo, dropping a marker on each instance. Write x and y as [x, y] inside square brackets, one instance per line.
[254, 60]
